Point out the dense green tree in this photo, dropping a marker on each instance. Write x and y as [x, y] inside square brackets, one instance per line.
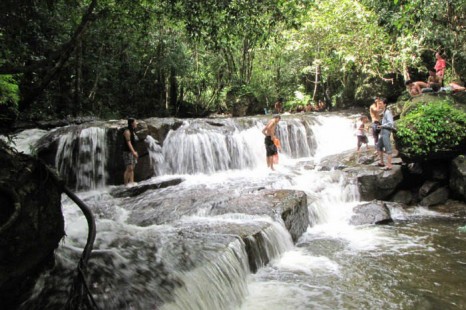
[114, 58]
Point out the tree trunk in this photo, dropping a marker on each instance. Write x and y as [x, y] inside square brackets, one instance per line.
[316, 82]
[173, 91]
[77, 108]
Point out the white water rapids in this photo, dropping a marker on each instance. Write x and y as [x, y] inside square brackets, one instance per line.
[332, 266]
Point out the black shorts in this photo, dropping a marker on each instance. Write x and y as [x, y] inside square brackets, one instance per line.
[362, 140]
[270, 147]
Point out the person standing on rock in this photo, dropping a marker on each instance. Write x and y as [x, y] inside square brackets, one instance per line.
[279, 106]
[440, 65]
[374, 111]
[130, 156]
[386, 129]
[361, 132]
[269, 132]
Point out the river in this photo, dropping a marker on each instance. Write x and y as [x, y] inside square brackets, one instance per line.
[417, 262]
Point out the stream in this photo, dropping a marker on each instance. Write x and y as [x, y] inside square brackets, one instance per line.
[417, 262]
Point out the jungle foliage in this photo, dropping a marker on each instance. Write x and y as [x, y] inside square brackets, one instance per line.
[146, 58]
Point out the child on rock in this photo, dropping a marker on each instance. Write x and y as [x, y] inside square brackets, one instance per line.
[361, 132]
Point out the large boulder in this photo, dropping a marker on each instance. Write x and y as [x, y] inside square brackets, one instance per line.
[458, 177]
[374, 212]
[31, 223]
[439, 196]
[378, 184]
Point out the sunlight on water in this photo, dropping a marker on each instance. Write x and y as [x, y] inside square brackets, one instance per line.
[334, 135]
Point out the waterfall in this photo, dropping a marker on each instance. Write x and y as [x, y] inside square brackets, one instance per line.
[157, 160]
[81, 158]
[193, 149]
[297, 137]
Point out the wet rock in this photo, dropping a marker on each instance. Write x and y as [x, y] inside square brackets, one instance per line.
[375, 183]
[31, 223]
[403, 196]
[451, 207]
[284, 205]
[458, 177]
[438, 196]
[374, 212]
[365, 160]
[141, 188]
[428, 187]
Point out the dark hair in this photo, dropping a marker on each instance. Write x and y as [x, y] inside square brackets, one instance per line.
[277, 116]
[130, 121]
[408, 82]
[435, 87]
[384, 100]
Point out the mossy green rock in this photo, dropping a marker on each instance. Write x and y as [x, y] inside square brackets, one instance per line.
[431, 127]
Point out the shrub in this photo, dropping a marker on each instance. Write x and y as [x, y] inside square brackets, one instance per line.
[435, 127]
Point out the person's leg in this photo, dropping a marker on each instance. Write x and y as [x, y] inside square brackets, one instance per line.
[126, 175]
[131, 174]
[389, 161]
[271, 162]
[380, 152]
[388, 149]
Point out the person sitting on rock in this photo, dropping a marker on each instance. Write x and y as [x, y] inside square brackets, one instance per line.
[454, 87]
[415, 88]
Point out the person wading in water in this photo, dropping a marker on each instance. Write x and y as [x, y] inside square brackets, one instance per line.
[269, 132]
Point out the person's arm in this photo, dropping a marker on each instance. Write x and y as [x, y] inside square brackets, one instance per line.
[362, 127]
[127, 135]
[264, 131]
[267, 127]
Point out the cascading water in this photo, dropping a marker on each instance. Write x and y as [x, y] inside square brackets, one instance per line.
[195, 149]
[82, 154]
[187, 264]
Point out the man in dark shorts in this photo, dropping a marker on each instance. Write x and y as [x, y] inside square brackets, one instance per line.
[269, 132]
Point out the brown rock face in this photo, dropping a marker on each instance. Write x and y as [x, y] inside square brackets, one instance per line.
[31, 223]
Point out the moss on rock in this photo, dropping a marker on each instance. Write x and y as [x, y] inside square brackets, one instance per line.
[431, 127]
